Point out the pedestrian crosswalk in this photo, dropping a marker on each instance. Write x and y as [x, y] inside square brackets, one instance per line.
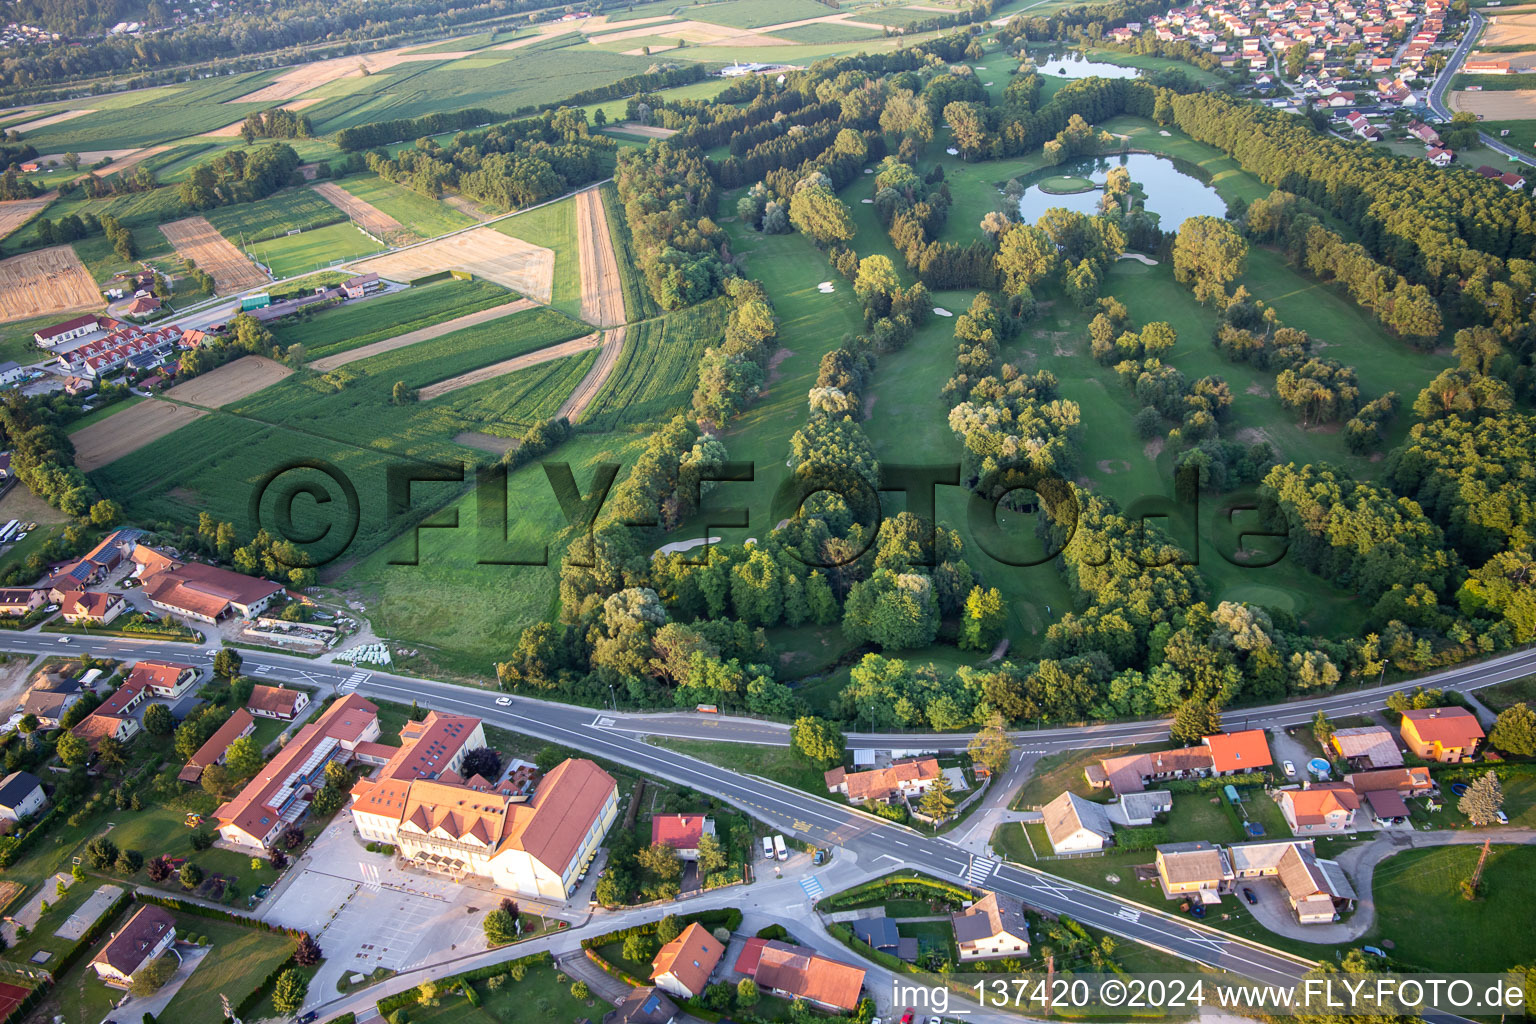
[813, 887]
[980, 870]
[352, 681]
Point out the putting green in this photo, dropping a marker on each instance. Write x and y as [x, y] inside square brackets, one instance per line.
[1066, 184]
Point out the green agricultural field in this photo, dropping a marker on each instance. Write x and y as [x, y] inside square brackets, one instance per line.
[531, 76]
[1522, 136]
[755, 13]
[553, 226]
[294, 209]
[424, 606]
[658, 368]
[147, 117]
[653, 10]
[345, 327]
[1420, 908]
[356, 428]
[312, 250]
[637, 296]
[708, 89]
[828, 32]
[420, 215]
[140, 211]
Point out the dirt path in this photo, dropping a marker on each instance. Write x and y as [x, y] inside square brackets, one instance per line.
[424, 334]
[566, 348]
[592, 383]
[602, 297]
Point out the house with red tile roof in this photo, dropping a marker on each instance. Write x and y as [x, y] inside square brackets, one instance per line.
[1236, 752]
[1441, 734]
[682, 967]
[206, 593]
[1321, 807]
[909, 778]
[166, 679]
[682, 832]
[216, 746]
[280, 702]
[794, 972]
[91, 607]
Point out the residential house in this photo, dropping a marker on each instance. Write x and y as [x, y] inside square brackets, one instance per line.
[880, 933]
[142, 306]
[1135, 809]
[279, 794]
[1076, 825]
[202, 592]
[147, 935]
[992, 927]
[279, 702]
[48, 706]
[21, 796]
[1320, 807]
[91, 607]
[642, 1006]
[167, 679]
[1370, 746]
[1424, 133]
[1512, 181]
[362, 284]
[21, 601]
[904, 779]
[682, 967]
[69, 330]
[1233, 753]
[216, 746]
[1132, 772]
[794, 972]
[1385, 793]
[1194, 869]
[1312, 887]
[95, 727]
[1441, 734]
[1440, 156]
[92, 566]
[682, 832]
[11, 371]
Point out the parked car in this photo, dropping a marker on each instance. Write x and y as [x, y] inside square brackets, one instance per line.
[1249, 895]
[306, 1018]
[1374, 951]
[906, 1018]
[1502, 817]
[1290, 768]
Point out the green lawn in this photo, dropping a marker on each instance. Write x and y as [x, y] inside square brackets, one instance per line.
[345, 327]
[1514, 692]
[419, 214]
[294, 209]
[240, 959]
[316, 249]
[554, 227]
[1420, 909]
[544, 994]
[777, 763]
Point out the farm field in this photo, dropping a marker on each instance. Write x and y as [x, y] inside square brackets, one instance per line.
[230, 382]
[553, 227]
[16, 212]
[435, 330]
[313, 250]
[479, 375]
[611, 346]
[127, 431]
[381, 317]
[44, 282]
[657, 369]
[485, 252]
[420, 215]
[198, 240]
[602, 296]
[1508, 105]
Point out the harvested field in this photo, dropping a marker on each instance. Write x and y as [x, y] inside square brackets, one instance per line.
[485, 442]
[607, 359]
[329, 363]
[484, 252]
[602, 296]
[230, 382]
[1517, 61]
[15, 213]
[1496, 106]
[43, 122]
[45, 281]
[367, 216]
[575, 346]
[197, 240]
[298, 81]
[125, 432]
[586, 26]
[1511, 29]
[650, 131]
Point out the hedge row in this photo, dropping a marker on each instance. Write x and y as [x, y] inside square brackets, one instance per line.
[613, 970]
[1206, 785]
[412, 996]
[728, 918]
[217, 913]
[898, 885]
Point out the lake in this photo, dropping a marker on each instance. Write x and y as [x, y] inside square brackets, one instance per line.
[1075, 65]
[1171, 194]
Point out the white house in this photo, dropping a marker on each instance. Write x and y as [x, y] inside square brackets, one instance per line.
[1076, 825]
[21, 796]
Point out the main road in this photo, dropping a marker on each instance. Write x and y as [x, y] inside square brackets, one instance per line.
[617, 737]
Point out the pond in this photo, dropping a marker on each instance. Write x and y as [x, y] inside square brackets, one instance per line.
[1075, 65]
[1171, 194]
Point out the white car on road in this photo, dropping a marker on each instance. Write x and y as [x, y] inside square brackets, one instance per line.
[503, 701]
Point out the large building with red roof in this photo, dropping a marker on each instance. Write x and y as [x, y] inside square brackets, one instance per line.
[279, 794]
[795, 972]
[445, 823]
[206, 593]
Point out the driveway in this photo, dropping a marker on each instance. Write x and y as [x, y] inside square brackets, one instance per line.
[134, 1008]
[1285, 748]
[975, 834]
